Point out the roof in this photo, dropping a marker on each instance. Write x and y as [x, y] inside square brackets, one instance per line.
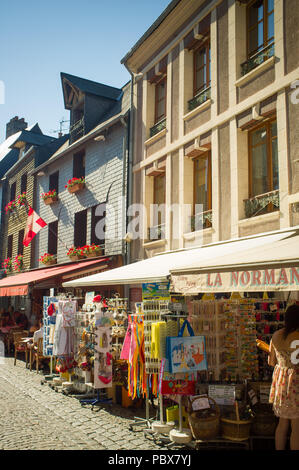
[110, 118]
[159, 267]
[94, 88]
[30, 137]
[5, 147]
[151, 29]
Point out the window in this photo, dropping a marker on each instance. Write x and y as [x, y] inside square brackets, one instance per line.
[263, 159]
[202, 192]
[98, 214]
[260, 26]
[9, 246]
[54, 181]
[20, 242]
[202, 68]
[13, 191]
[24, 183]
[79, 165]
[53, 237]
[160, 107]
[80, 231]
[158, 230]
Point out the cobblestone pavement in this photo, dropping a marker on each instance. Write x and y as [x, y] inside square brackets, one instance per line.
[33, 416]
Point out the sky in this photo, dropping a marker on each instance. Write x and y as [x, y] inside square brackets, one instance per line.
[40, 39]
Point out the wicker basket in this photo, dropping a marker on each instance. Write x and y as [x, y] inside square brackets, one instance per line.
[264, 424]
[204, 428]
[235, 430]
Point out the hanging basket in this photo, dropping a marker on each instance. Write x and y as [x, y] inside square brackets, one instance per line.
[204, 428]
[75, 188]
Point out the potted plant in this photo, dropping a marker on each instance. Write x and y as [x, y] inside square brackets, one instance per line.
[91, 251]
[7, 265]
[10, 207]
[48, 259]
[75, 253]
[19, 263]
[50, 197]
[22, 200]
[75, 184]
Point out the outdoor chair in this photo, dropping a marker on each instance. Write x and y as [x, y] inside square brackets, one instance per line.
[37, 354]
[20, 347]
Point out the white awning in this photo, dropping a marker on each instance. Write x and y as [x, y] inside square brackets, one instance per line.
[158, 268]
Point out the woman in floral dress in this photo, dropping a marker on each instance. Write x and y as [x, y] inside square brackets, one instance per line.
[284, 393]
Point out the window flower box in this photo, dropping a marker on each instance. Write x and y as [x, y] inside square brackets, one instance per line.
[22, 200]
[7, 265]
[75, 254]
[50, 197]
[10, 207]
[92, 251]
[48, 260]
[19, 263]
[75, 184]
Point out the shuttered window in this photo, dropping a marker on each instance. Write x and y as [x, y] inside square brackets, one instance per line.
[24, 183]
[9, 246]
[80, 228]
[13, 191]
[98, 215]
[54, 181]
[79, 165]
[53, 237]
[20, 242]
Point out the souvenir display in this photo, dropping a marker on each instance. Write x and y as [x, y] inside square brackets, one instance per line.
[50, 308]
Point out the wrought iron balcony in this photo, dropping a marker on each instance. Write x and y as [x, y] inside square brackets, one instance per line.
[201, 221]
[156, 233]
[263, 202]
[200, 98]
[77, 130]
[158, 127]
[257, 59]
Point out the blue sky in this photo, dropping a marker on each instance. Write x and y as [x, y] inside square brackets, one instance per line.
[39, 39]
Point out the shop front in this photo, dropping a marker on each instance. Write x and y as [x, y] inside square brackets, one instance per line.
[193, 344]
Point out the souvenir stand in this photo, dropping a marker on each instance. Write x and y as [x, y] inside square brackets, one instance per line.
[50, 308]
[100, 329]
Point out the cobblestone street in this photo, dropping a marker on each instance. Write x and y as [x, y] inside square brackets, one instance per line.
[33, 416]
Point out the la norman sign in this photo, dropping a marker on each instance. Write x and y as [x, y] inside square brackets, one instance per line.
[237, 281]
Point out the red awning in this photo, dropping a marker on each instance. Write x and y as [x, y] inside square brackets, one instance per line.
[19, 284]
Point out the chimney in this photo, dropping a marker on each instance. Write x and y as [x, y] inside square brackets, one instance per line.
[15, 125]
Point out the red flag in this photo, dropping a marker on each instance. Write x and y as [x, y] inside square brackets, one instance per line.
[34, 224]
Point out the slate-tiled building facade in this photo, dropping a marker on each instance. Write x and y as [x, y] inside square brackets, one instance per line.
[97, 147]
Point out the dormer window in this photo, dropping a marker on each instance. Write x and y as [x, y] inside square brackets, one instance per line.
[77, 120]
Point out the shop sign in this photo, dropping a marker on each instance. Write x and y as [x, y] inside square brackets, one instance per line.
[222, 394]
[156, 291]
[237, 281]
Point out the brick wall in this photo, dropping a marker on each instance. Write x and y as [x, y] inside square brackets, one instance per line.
[17, 221]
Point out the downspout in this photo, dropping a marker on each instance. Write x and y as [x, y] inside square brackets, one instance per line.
[130, 163]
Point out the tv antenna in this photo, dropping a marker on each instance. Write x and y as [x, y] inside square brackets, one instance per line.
[61, 129]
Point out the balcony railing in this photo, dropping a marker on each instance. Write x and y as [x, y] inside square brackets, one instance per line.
[263, 202]
[156, 233]
[77, 130]
[200, 98]
[201, 221]
[257, 59]
[158, 127]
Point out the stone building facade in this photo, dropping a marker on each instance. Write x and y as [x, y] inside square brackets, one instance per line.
[215, 122]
